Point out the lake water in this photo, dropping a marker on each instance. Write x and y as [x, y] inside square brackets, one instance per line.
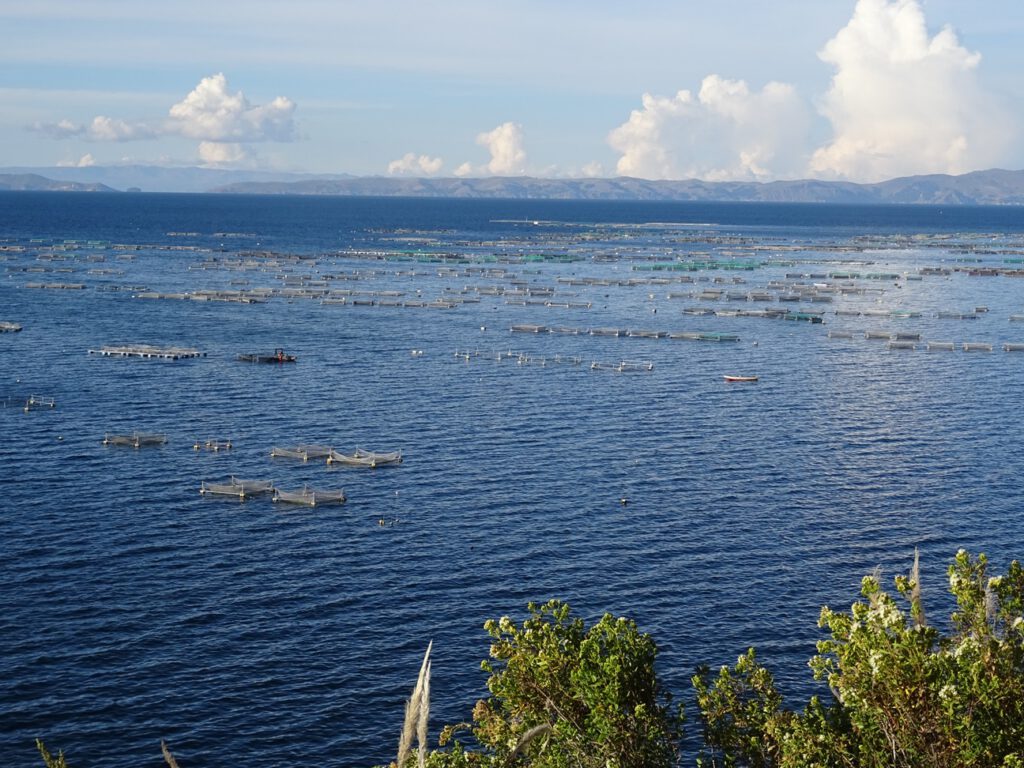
[135, 609]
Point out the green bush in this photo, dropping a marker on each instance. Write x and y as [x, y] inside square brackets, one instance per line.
[904, 694]
[563, 695]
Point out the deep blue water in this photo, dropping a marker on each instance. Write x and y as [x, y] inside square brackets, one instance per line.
[134, 609]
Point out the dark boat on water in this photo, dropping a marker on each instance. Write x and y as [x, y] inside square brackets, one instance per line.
[279, 356]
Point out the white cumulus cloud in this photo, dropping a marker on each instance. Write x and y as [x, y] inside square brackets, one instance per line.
[85, 161]
[211, 113]
[222, 153]
[726, 132]
[64, 129]
[111, 129]
[903, 102]
[223, 122]
[101, 128]
[505, 143]
[411, 164]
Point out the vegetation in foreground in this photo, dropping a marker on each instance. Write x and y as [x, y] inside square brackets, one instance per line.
[903, 693]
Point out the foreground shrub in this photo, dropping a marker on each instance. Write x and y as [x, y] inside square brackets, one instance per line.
[904, 694]
[564, 695]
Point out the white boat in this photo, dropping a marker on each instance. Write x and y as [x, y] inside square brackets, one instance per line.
[363, 458]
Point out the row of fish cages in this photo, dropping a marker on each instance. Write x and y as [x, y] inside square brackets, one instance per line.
[34, 269]
[359, 457]
[799, 315]
[326, 298]
[236, 297]
[57, 286]
[973, 314]
[148, 351]
[135, 439]
[950, 346]
[812, 297]
[638, 333]
[306, 496]
[519, 358]
[549, 304]
[396, 303]
[241, 489]
[912, 341]
[636, 282]
[512, 291]
[558, 360]
[29, 403]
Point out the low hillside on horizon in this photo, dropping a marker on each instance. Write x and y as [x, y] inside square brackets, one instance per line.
[991, 187]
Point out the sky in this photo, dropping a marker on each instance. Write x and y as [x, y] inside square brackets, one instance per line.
[858, 90]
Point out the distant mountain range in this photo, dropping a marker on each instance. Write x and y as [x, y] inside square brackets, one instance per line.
[992, 187]
[22, 182]
[155, 178]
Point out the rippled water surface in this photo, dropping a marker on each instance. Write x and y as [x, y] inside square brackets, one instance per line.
[135, 609]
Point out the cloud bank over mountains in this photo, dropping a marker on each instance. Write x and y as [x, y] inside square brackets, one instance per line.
[901, 101]
[224, 123]
[726, 132]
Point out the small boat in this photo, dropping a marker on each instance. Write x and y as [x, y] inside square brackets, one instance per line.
[740, 378]
[279, 356]
[362, 458]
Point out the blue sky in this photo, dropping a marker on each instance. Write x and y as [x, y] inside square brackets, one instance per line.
[735, 89]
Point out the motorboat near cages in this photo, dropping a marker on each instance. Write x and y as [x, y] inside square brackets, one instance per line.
[364, 458]
[135, 439]
[279, 356]
[241, 489]
[308, 497]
